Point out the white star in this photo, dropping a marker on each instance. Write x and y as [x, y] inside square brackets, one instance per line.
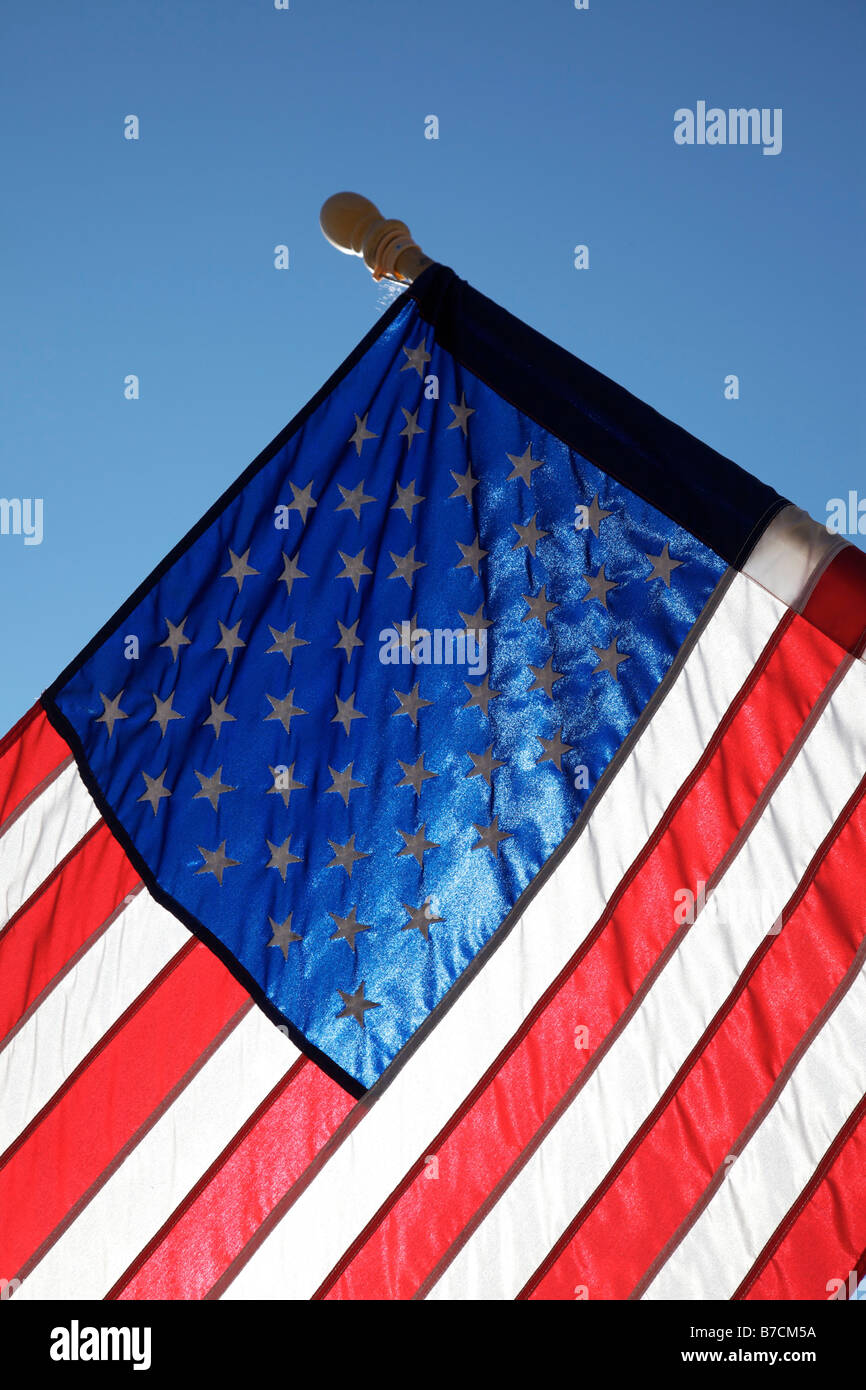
[111, 711]
[156, 790]
[239, 570]
[524, 466]
[362, 434]
[302, 500]
[461, 415]
[229, 641]
[418, 358]
[662, 566]
[411, 428]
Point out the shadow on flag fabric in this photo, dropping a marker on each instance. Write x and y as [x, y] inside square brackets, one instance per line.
[443, 877]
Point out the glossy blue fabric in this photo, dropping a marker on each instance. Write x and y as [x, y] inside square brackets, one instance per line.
[470, 890]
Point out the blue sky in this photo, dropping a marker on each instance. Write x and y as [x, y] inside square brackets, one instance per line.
[155, 256]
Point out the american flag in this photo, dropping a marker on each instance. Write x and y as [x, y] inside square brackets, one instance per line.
[443, 877]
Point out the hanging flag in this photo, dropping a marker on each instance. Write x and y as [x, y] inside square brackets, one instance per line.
[443, 876]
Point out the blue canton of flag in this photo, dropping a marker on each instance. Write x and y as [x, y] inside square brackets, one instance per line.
[376, 687]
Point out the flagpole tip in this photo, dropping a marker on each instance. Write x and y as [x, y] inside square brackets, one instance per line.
[356, 227]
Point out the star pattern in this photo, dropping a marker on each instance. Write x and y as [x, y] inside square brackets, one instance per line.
[484, 764]
[542, 671]
[238, 569]
[411, 702]
[539, 606]
[355, 1005]
[285, 642]
[411, 427]
[281, 857]
[418, 357]
[283, 783]
[155, 790]
[465, 483]
[529, 535]
[212, 787]
[219, 715]
[361, 434]
[405, 566]
[490, 836]
[406, 628]
[354, 567]
[554, 749]
[346, 712]
[407, 500]
[354, 499]
[415, 774]
[420, 919]
[343, 783]
[229, 641]
[472, 556]
[416, 844]
[595, 515]
[216, 861]
[461, 416]
[609, 659]
[111, 711]
[283, 936]
[349, 639]
[598, 587]
[175, 639]
[302, 500]
[480, 695]
[545, 677]
[163, 713]
[291, 572]
[346, 856]
[662, 566]
[476, 622]
[524, 467]
[348, 927]
[285, 710]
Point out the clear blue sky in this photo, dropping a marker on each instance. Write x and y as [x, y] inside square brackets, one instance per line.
[155, 257]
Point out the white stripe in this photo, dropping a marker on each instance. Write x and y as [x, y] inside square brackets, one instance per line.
[312, 1236]
[117, 1224]
[535, 1209]
[82, 1007]
[791, 553]
[43, 835]
[777, 1163]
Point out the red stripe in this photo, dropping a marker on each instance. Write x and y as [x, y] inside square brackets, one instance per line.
[122, 1081]
[425, 1216]
[700, 1120]
[48, 932]
[814, 1253]
[29, 753]
[230, 1203]
[838, 605]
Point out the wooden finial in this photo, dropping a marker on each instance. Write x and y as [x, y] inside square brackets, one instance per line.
[356, 226]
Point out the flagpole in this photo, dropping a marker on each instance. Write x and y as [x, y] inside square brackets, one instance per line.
[355, 226]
